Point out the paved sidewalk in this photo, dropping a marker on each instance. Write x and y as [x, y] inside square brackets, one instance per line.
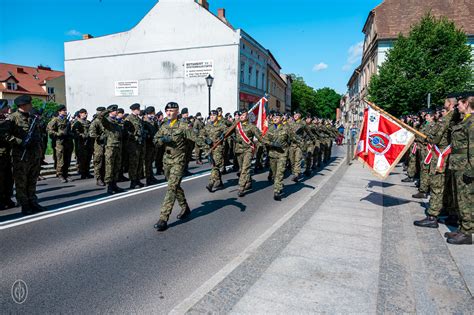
[360, 253]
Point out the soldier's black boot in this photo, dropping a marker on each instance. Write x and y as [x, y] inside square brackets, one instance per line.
[110, 189]
[184, 213]
[241, 193]
[209, 187]
[295, 178]
[307, 173]
[9, 203]
[26, 210]
[277, 196]
[161, 226]
[451, 234]
[419, 195]
[117, 189]
[460, 239]
[408, 180]
[133, 184]
[151, 181]
[219, 186]
[37, 207]
[429, 222]
[100, 182]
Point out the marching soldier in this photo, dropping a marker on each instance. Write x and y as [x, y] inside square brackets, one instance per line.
[96, 132]
[296, 150]
[309, 146]
[278, 140]
[198, 126]
[244, 149]
[60, 129]
[159, 150]
[6, 182]
[120, 119]
[135, 133]
[212, 133]
[113, 148]
[151, 128]
[172, 136]
[83, 144]
[26, 155]
[461, 163]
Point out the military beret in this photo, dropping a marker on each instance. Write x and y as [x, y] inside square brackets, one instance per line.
[3, 103]
[213, 112]
[278, 114]
[100, 109]
[23, 100]
[61, 107]
[453, 95]
[150, 110]
[465, 95]
[120, 111]
[76, 114]
[135, 106]
[297, 112]
[112, 108]
[198, 114]
[172, 105]
[429, 111]
[159, 113]
[219, 109]
[237, 112]
[184, 110]
[82, 110]
[227, 115]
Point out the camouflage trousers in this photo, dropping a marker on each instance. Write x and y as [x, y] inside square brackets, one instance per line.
[412, 170]
[174, 174]
[327, 150]
[135, 160]
[295, 156]
[63, 157]
[198, 153]
[99, 161]
[218, 156]
[424, 178]
[159, 158]
[6, 182]
[259, 156]
[308, 156]
[25, 174]
[83, 152]
[277, 168]
[465, 199]
[150, 153]
[317, 154]
[245, 163]
[441, 192]
[113, 157]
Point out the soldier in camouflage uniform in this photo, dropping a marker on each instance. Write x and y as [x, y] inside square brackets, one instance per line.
[26, 155]
[159, 150]
[278, 140]
[59, 128]
[296, 150]
[96, 132]
[413, 159]
[113, 148]
[212, 133]
[83, 144]
[461, 163]
[134, 130]
[173, 136]
[151, 128]
[440, 137]
[310, 139]
[198, 126]
[244, 149]
[120, 119]
[6, 182]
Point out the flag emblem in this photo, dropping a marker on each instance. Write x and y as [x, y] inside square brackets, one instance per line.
[379, 143]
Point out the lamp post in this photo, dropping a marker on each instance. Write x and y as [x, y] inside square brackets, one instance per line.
[209, 81]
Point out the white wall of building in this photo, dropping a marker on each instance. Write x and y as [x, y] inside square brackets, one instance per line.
[154, 53]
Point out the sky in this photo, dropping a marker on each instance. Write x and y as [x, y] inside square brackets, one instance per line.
[319, 40]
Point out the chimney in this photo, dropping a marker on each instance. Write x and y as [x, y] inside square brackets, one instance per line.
[221, 14]
[204, 4]
[87, 36]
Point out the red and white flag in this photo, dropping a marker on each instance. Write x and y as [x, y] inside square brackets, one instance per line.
[382, 142]
[258, 115]
[442, 156]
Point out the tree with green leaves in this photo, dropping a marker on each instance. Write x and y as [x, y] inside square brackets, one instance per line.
[433, 58]
[322, 103]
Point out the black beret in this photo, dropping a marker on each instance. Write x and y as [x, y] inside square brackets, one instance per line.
[121, 111]
[3, 103]
[172, 105]
[61, 107]
[465, 95]
[213, 112]
[82, 110]
[219, 109]
[237, 112]
[112, 108]
[429, 111]
[159, 113]
[135, 106]
[23, 100]
[150, 110]
[297, 112]
[76, 114]
[184, 110]
[100, 109]
[227, 115]
[198, 114]
[453, 95]
[278, 114]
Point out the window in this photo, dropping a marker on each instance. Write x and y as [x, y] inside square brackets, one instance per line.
[257, 74]
[243, 46]
[242, 72]
[250, 74]
[11, 86]
[50, 90]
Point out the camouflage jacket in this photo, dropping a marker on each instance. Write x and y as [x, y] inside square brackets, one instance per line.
[80, 129]
[21, 123]
[282, 136]
[214, 131]
[134, 129]
[151, 128]
[5, 130]
[96, 131]
[462, 156]
[251, 131]
[60, 129]
[112, 130]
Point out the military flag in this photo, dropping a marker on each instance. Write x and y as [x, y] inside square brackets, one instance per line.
[258, 115]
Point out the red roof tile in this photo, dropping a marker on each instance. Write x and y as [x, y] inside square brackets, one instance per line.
[27, 83]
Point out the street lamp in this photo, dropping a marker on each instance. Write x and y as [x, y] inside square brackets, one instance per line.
[209, 81]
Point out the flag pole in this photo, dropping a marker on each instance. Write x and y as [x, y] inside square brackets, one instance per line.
[420, 134]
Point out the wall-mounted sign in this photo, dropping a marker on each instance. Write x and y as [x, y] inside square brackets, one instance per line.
[126, 88]
[198, 69]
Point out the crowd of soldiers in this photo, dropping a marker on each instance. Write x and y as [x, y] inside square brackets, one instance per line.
[145, 143]
[442, 165]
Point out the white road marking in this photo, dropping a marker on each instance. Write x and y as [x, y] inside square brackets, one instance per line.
[88, 204]
[207, 286]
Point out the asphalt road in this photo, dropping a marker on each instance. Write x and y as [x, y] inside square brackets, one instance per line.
[108, 258]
